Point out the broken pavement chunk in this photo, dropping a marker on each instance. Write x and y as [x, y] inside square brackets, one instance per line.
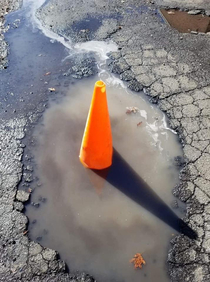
[22, 196]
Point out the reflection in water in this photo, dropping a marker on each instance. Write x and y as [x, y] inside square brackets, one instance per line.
[94, 226]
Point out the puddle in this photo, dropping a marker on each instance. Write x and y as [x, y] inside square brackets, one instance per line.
[186, 23]
[87, 24]
[98, 222]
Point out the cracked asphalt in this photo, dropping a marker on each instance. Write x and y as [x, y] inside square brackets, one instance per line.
[6, 6]
[173, 69]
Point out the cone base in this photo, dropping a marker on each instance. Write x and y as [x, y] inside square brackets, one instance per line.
[86, 166]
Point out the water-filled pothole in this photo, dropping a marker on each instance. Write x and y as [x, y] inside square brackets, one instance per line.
[187, 22]
[98, 222]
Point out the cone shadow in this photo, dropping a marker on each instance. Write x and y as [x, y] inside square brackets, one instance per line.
[124, 178]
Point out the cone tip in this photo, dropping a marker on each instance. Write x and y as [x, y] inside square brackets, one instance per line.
[100, 83]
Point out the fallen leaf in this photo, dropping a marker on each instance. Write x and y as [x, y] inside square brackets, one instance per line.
[48, 73]
[138, 260]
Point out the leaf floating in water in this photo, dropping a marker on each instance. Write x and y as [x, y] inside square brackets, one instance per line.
[130, 110]
[51, 89]
[140, 123]
[138, 261]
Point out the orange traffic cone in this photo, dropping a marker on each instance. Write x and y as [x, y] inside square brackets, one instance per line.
[96, 149]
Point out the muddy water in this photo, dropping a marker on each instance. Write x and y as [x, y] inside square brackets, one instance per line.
[185, 23]
[98, 222]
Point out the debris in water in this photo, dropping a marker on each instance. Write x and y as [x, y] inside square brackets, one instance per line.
[138, 260]
[51, 89]
[130, 110]
[140, 123]
[194, 12]
[171, 13]
[48, 73]
[36, 205]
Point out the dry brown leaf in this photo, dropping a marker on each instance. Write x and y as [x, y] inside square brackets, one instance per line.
[140, 123]
[138, 261]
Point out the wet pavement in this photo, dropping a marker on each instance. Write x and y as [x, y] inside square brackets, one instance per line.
[173, 69]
